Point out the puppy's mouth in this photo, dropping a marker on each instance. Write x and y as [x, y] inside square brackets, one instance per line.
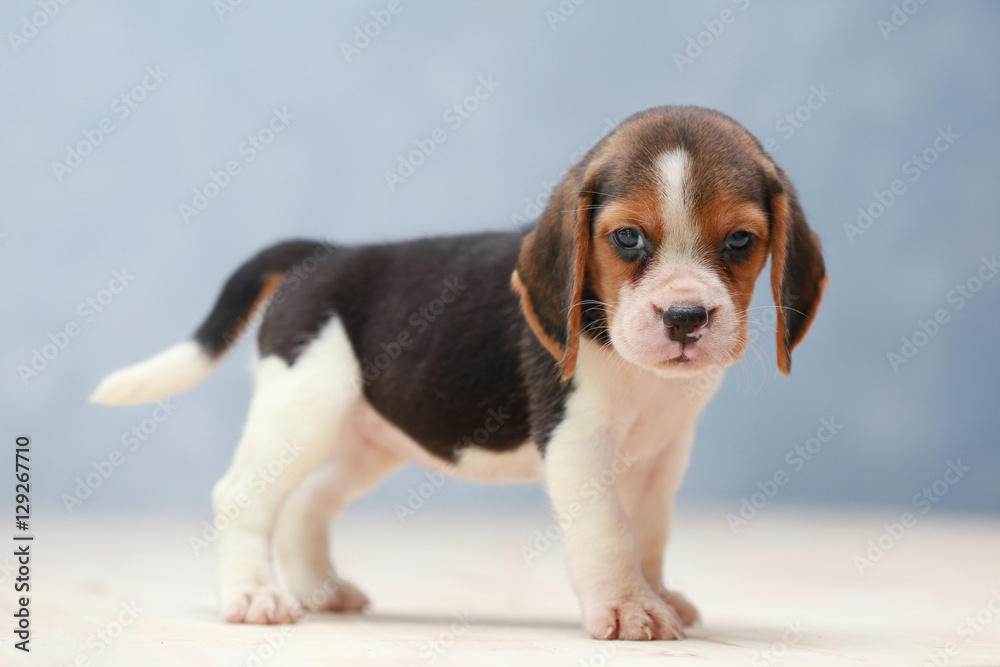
[650, 345]
[683, 365]
[690, 358]
[696, 348]
[685, 362]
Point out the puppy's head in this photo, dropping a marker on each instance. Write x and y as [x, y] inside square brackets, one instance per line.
[653, 243]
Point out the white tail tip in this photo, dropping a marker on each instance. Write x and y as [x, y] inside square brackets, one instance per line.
[170, 372]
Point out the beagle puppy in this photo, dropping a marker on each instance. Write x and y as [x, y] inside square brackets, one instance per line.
[579, 351]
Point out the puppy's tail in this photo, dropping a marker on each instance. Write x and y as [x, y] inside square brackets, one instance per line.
[184, 365]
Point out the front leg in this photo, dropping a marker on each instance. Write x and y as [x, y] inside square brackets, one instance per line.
[647, 490]
[601, 547]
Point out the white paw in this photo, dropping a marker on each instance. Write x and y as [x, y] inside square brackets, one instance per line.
[330, 594]
[685, 611]
[641, 616]
[259, 603]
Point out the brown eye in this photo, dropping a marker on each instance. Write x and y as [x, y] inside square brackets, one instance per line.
[738, 241]
[629, 239]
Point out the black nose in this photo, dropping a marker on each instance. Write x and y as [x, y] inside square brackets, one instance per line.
[682, 319]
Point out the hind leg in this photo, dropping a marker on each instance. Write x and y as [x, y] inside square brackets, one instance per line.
[294, 417]
[302, 539]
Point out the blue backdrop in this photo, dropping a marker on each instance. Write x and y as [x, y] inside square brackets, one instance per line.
[148, 148]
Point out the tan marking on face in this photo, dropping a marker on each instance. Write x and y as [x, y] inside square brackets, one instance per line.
[607, 269]
[726, 213]
[686, 223]
[687, 178]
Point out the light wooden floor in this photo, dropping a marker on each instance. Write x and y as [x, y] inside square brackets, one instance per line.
[457, 590]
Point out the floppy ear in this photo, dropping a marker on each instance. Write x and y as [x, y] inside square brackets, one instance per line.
[549, 276]
[798, 276]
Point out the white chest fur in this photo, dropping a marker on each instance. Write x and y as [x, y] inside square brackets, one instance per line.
[636, 410]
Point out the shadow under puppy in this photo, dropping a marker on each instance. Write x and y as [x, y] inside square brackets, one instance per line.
[581, 350]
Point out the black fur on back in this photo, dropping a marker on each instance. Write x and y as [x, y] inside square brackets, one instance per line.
[445, 352]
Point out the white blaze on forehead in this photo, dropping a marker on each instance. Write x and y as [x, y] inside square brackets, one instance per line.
[680, 237]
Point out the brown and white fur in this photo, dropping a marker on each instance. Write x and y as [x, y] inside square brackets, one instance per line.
[599, 333]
